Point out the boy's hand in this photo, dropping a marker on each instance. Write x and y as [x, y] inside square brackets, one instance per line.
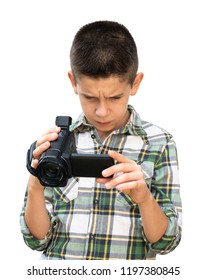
[127, 177]
[44, 143]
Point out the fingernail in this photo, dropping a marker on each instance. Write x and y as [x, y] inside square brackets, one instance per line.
[104, 173]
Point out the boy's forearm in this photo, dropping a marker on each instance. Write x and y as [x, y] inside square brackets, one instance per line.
[36, 215]
[154, 221]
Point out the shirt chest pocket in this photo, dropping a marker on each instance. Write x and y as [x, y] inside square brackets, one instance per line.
[78, 191]
[68, 193]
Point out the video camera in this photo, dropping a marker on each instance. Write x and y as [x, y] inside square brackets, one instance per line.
[61, 161]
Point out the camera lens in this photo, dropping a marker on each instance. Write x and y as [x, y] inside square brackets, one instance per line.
[52, 170]
[52, 173]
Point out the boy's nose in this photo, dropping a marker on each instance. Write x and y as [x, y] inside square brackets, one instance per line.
[102, 111]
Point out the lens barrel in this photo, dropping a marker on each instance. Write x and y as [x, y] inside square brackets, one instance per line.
[52, 172]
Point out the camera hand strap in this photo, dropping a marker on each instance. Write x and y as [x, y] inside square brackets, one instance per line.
[29, 159]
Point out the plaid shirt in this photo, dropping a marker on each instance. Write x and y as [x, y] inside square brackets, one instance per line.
[92, 223]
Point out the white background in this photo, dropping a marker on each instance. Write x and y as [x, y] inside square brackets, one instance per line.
[35, 38]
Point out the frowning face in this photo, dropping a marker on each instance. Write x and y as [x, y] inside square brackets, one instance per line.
[104, 101]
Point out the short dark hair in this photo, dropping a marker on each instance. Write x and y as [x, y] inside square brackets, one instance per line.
[104, 48]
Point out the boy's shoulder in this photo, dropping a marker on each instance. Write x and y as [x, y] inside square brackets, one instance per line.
[153, 134]
[156, 135]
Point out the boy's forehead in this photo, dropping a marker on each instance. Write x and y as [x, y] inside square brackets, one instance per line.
[111, 82]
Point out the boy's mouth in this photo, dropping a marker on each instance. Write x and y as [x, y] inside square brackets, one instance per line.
[103, 123]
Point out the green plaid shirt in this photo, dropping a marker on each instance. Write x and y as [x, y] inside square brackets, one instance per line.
[92, 223]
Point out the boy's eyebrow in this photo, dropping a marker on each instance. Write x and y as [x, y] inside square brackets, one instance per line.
[86, 94]
[110, 96]
[116, 95]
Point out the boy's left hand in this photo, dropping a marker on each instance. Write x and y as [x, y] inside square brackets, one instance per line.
[127, 177]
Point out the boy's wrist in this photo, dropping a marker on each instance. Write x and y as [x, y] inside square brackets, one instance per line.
[148, 200]
[34, 184]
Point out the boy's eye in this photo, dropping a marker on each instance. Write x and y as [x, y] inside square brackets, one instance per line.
[88, 97]
[116, 97]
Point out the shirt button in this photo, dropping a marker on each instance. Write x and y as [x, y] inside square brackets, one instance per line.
[96, 201]
[92, 236]
[93, 136]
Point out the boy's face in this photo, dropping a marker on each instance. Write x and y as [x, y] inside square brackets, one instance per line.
[104, 101]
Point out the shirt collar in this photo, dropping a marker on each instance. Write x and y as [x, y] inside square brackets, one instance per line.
[132, 127]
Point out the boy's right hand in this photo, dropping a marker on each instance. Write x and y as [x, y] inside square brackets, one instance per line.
[42, 145]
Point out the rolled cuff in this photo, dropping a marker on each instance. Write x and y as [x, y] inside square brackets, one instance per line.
[171, 238]
[33, 242]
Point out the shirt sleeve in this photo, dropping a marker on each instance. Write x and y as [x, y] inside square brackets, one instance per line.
[165, 188]
[29, 239]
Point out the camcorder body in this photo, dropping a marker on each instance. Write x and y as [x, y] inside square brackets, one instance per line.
[61, 161]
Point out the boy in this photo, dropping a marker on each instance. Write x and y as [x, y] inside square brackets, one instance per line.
[136, 213]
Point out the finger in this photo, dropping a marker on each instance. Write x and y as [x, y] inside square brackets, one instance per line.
[126, 187]
[34, 163]
[102, 180]
[51, 130]
[47, 137]
[120, 168]
[119, 157]
[105, 180]
[124, 178]
[40, 149]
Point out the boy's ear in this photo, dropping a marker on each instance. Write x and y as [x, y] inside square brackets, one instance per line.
[72, 80]
[137, 81]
